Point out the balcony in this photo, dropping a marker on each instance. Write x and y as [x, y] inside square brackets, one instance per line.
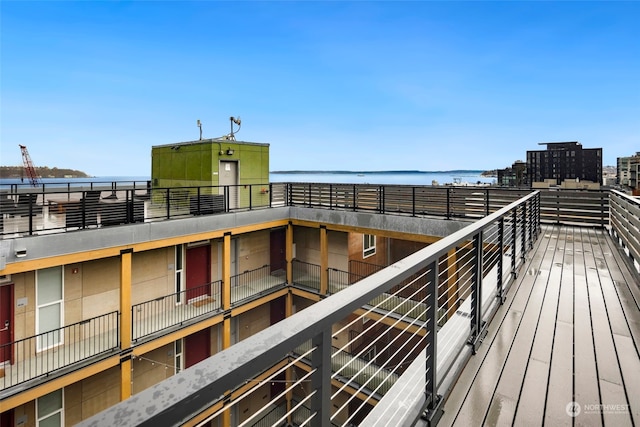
[39, 358]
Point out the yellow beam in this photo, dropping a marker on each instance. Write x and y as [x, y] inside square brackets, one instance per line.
[58, 383]
[389, 321]
[257, 303]
[125, 322]
[324, 260]
[174, 336]
[365, 230]
[289, 252]
[93, 254]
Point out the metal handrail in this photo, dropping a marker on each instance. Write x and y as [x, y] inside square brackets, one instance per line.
[45, 353]
[186, 394]
[168, 311]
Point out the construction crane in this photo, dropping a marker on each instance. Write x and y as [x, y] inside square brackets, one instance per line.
[34, 179]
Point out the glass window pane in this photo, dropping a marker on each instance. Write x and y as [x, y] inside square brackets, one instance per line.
[52, 421]
[49, 403]
[49, 318]
[49, 285]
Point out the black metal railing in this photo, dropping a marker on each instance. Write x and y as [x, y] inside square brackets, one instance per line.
[51, 351]
[502, 239]
[50, 209]
[25, 211]
[625, 224]
[306, 274]
[166, 312]
[256, 282]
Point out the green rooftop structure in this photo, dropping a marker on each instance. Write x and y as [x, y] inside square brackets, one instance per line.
[213, 163]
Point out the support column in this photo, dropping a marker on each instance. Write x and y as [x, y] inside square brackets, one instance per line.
[226, 306]
[324, 260]
[226, 289]
[289, 253]
[125, 324]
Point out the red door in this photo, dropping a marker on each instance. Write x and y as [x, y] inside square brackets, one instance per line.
[6, 323]
[277, 250]
[198, 272]
[197, 347]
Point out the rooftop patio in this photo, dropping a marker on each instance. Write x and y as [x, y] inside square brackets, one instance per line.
[563, 349]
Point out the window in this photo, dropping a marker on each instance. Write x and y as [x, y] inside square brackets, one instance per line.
[368, 245]
[179, 270]
[50, 409]
[49, 297]
[177, 353]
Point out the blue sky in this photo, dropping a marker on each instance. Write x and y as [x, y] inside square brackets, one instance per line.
[330, 85]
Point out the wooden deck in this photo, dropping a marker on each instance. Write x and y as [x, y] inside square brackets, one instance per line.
[564, 348]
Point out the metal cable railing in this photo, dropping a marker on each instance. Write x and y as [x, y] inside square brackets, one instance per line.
[426, 331]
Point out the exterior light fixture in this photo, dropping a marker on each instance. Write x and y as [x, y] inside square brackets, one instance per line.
[229, 152]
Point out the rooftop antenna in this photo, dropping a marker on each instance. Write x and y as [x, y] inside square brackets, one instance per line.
[238, 122]
[200, 126]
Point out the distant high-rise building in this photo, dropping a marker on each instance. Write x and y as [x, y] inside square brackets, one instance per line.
[564, 161]
[514, 176]
[627, 170]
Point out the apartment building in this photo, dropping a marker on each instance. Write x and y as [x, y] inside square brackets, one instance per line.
[627, 171]
[98, 310]
[564, 161]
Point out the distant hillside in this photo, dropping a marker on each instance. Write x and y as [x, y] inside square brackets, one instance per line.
[44, 172]
[389, 172]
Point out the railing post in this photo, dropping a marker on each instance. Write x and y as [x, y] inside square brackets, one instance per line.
[530, 216]
[500, 289]
[413, 201]
[514, 236]
[330, 196]
[478, 327]
[448, 203]
[433, 401]
[355, 188]
[486, 192]
[321, 379]
[168, 199]
[524, 232]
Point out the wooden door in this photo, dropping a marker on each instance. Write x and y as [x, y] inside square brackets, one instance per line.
[198, 277]
[6, 323]
[277, 250]
[197, 347]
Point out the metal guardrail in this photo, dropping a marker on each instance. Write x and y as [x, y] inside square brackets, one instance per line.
[625, 224]
[51, 351]
[253, 283]
[306, 274]
[52, 209]
[473, 292]
[575, 207]
[165, 312]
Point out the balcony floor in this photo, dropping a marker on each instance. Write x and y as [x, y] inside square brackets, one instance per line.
[569, 331]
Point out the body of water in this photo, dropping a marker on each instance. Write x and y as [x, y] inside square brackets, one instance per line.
[391, 177]
[398, 178]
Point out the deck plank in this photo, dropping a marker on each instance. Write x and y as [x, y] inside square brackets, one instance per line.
[586, 388]
[574, 339]
[463, 403]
